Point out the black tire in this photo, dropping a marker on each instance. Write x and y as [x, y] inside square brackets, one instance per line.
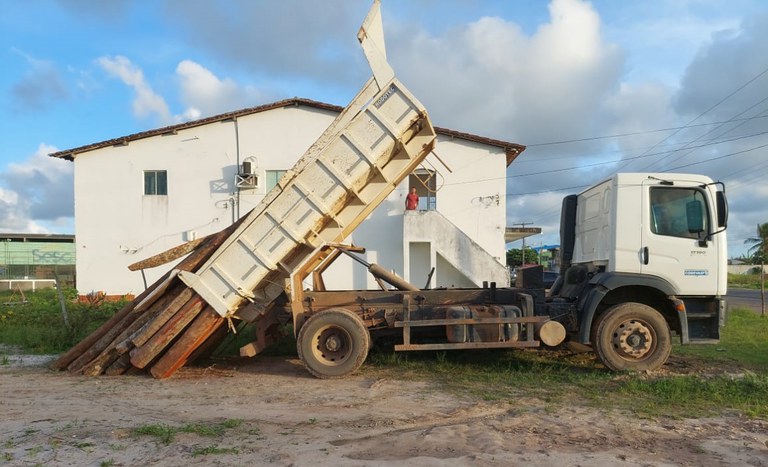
[632, 337]
[593, 330]
[333, 343]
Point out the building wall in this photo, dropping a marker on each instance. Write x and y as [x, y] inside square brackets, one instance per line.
[116, 224]
[34, 258]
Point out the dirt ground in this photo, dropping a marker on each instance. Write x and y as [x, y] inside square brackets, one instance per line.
[291, 418]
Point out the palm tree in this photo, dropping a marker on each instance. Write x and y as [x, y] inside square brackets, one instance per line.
[759, 250]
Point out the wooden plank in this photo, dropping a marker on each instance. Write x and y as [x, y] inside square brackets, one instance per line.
[75, 352]
[204, 325]
[114, 349]
[168, 255]
[206, 349]
[103, 344]
[101, 353]
[100, 363]
[142, 356]
[119, 366]
[99, 344]
[209, 242]
[141, 336]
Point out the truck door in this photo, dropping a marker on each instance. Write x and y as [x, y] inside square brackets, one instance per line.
[676, 220]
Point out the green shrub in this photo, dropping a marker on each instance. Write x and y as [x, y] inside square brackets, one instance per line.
[745, 281]
[37, 325]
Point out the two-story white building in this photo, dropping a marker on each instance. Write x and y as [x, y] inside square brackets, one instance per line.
[141, 194]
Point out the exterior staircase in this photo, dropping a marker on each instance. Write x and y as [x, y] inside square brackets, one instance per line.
[429, 234]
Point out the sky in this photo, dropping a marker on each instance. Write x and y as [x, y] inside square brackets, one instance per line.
[591, 88]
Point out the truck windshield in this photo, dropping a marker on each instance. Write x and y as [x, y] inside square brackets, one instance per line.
[679, 212]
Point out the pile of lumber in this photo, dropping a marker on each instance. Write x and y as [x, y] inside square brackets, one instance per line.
[165, 327]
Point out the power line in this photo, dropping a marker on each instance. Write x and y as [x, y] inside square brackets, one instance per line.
[708, 110]
[668, 162]
[638, 133]
[719, 157]
[596, 164]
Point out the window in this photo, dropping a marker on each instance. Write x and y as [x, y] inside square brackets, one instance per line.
[272, 177]
[679, 212]
[155, 182]
[425, 183]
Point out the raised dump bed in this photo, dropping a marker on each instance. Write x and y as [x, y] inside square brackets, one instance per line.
[380, 137]
[321, 200]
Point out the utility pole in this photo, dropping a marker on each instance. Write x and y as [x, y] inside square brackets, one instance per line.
[522, 225]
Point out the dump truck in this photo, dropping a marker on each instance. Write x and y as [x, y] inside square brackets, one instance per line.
[642, 257]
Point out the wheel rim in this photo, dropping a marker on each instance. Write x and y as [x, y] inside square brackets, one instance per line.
[633, 339]
[332, 345]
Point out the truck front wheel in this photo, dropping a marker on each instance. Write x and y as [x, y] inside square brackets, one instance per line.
[632, 336]
[333, 343]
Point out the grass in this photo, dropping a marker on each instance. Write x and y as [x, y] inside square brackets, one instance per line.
[166, 433]
[689, 395]
[213, 450]
[745, 281]
[725, 377]
[744, 342]
[563, 376]
[37, 326]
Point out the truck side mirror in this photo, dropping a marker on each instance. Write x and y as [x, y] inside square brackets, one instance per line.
[695, 215]
[722, 210]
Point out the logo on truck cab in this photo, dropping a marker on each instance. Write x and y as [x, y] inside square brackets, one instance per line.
[696, 272]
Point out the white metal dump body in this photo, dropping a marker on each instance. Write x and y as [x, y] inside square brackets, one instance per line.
[380, 138]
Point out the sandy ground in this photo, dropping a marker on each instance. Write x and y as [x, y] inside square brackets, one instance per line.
[291, 418]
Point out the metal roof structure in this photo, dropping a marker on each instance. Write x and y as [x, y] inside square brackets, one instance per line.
[513, 234]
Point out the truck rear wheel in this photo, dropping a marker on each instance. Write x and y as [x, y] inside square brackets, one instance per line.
[632, 336]
[333, 343]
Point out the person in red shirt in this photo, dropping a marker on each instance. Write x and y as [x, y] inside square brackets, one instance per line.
[412, 200]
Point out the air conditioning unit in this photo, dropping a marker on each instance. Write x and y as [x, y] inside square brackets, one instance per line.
[246, 181]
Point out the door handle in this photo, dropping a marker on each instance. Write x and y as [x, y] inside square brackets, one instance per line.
[646, 255]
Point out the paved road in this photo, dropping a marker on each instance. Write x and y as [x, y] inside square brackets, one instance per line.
[745, 297]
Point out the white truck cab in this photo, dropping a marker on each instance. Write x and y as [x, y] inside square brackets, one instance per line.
[654, 224]
[649, 250]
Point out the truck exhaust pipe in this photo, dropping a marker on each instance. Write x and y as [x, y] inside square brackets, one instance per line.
[382, 274]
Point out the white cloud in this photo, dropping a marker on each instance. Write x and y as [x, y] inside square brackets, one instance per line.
[200, 91]
[206, 94]
[37, 194]
[570, 78]
[561, 81]
[491, 78]
[146, 102]
[289, 39]
[567, 80]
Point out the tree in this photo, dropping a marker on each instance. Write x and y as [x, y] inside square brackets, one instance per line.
[515, 257]
[759, 251]
[759, 245]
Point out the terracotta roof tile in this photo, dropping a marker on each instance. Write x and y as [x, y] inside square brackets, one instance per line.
[512, 149]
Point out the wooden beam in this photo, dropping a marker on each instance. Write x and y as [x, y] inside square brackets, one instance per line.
[113, 349]
[75, 352]
[206, 323]
[142, 356]
[168, 255]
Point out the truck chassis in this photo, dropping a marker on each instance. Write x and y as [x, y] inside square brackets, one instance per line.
[335, 329]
